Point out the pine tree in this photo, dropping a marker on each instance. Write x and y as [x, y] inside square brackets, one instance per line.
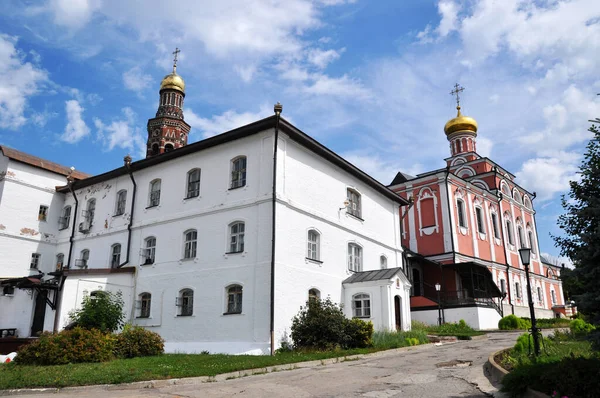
[581, 229]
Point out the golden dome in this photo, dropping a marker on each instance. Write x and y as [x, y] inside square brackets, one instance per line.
[173, 81]
[460, 124]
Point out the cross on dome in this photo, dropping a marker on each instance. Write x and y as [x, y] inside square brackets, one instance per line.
[457, 90]
[175, 54]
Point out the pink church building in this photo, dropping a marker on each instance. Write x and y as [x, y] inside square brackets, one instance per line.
[463, 231]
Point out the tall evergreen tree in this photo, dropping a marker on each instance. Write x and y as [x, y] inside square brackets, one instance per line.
[581, 225]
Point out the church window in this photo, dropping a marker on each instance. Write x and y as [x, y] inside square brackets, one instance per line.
[522, 243]
[539, 294]
[154, 199]
[65, 218]
[185, 302]
[531, 241]
[121, 202]
[84, 257]
[509, 233]
[518, 289]
[313, 251]
[354, 205]
[314, 294]
[149, 251]
[169, 147]
[238, 172]
[43, 213]
[88, 214]
[427, 212]
[191, 242]
[193, 183]
[479, 217]
[354, 257]
[502, 286]
[361, 305]
[145, 303]
[115, 255]
[495, 225]
[155, 149]
[553, 297]
[460, 206]
[35, 260]
[236, 237]
[383, 262]
[60, 260]
[234, 299]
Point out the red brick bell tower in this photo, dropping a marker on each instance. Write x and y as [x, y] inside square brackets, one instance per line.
[168, 131]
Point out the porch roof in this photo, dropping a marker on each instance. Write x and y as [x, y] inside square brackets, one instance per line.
[464, 269]
[376, 275]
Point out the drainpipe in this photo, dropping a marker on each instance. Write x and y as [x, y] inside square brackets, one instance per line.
[63, 278]
[512, 307]
[452, 234]
[127, 161]
[278, 108]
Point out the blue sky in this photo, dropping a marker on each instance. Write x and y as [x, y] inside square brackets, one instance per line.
[369, 79]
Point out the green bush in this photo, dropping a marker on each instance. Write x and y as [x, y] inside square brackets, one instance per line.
[68, 346]
[359, 334]
[581, 327]
[135, 341]
[416, 325]
[460, 330]
[102, 311]
[320, 324]
[512, 322]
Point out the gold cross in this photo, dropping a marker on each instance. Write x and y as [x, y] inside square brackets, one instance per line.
[457, 90]
[175, 53]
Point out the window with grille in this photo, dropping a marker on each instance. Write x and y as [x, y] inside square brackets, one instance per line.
[154, 199]
[236, 237]
[354, 206]
[115, 256]
[479, 217]
[43, 213]
[150, 250]
[361, 304]
[35, 260]
[460, 206]
[238, 172]
[65, 218]
[234, 299]
[121, 202]
[354, 257]
[186, 302]
[193, 183]
[313, 245]
[191, 242]
[145, 303]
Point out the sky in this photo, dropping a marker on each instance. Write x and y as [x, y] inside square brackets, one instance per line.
[370, 79]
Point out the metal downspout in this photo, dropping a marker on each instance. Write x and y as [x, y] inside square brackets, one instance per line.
[127, 161]
[278, 108]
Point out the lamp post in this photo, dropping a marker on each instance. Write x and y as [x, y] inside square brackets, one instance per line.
[525, 254]
[438, 287]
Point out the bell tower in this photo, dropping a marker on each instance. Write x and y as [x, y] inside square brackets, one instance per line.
[167, 130]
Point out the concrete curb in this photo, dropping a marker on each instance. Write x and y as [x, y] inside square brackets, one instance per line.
[497, 373]
[211, 379]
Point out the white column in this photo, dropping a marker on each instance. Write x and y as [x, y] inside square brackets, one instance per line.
[474, 231]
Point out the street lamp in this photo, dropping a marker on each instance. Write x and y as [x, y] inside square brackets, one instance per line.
[438, 287]
[525, 254]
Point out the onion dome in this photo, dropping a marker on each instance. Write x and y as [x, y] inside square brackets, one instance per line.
[173, 81]
[460, 124]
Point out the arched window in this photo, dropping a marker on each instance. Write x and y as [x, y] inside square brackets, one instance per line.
[185, 302]
[532, 244]
[354, 205]
[539, 294]
[479, 217]
[121, 202]
[522, 242]
[237, 232]
[361, 305]
[518, 290]
[553, 297]
[382, 262]
[502, 286]
[88, 214]
[154, 197]
[527, 202]
[60, 260]
[354, 257]
[145, 303]
[155, 149]
[517, 197]
[234, 299]
[115, 255]
[169, 147]
[509, 233]
[193, 183]
[65, 218]
[495, 226]
[191, 242]
[238, 172]
[314, 294]
[149, 250]
[460, 206]
[313, 249]
[84, 257]
[504, 188]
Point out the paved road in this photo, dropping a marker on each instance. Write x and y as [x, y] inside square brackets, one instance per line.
[423, 371]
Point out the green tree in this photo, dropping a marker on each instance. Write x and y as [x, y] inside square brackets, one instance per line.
[100, 310]
[581, 225]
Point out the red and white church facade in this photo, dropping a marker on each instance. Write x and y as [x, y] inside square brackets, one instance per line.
[463, 231]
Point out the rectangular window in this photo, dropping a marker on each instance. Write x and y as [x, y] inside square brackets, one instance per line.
[43, 213]
[190, 244]
[362, 306]
[35, 260]
[238, 172]
[354, 257]
[518, 290]
[193, 186]
[354, 206]
[479, 216]
[65, 218]
[313, 245]
[154, 199]
[234, 300]
[495, 226]
[509, 233]
[236, 242]
[150, 251]
[502, 286]
[460, 206]
[121, 202]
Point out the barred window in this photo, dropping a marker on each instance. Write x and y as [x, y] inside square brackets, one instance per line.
[234, 299]
[186, 302]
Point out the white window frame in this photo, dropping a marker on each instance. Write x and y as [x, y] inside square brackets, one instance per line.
[495, 225]
[314, 293]
[145, 305]
[237, 237]
[154, 193]
[234, 297]
[553, 296]
[193, 183]
[239, 167]
[479, 220]
[461, 213]
[518, 289]
[121, 203]
[383, 263]
[115, 255]
[90, 211]
[354, 207]
[355, 257]
[65, 218]
[313, 250]
[36, 260]
[149, 250]
[509, 233]
[84, 257]
[361, 305]
[185, 302]
[43, 213]
[531, 238]
[190, 245]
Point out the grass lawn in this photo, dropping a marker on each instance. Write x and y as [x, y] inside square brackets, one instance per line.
[461, 330]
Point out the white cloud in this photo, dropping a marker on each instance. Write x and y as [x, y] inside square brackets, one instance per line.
[383, 170]
[136, 80]
[246, 72]
[224, 122]
[41, 118]
[339, 87]
[73, 14]
[76, 128]
[19, 81]
[322, 58]
[449, 12]
[122, 134]
[548, 176]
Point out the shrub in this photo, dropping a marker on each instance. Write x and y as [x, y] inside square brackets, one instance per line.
[319, 325]
[359, 334]
[387, 340]
[102, 311]
[581, 327]
[512, 322]
[135, 341]
[68, 346]
[416, 325]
